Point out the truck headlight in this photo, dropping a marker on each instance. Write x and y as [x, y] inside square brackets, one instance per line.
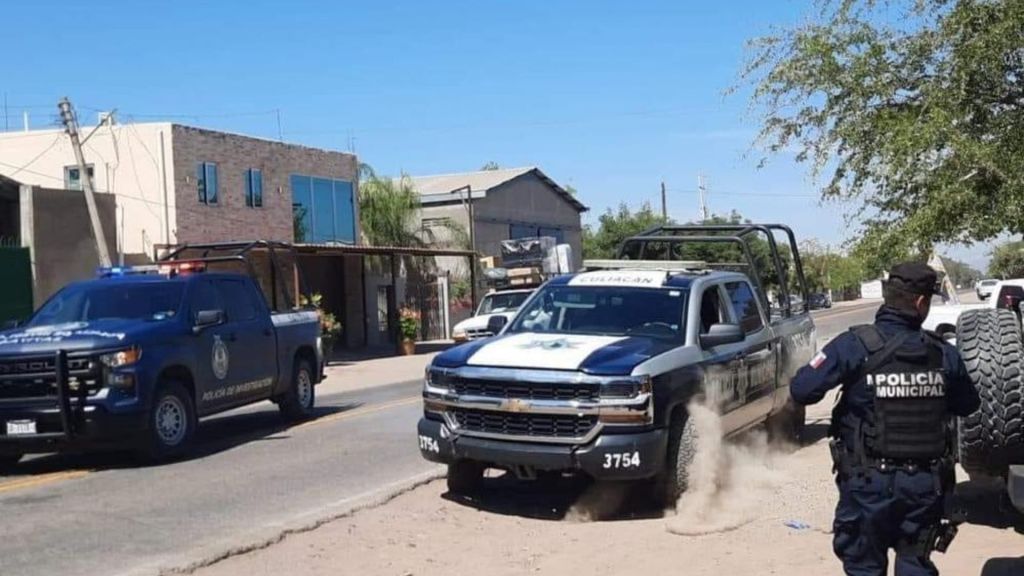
[627, 387]
[437, 379]
[121, 358]
[459, 334]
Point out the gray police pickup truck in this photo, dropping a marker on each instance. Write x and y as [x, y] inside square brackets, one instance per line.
[595, 372]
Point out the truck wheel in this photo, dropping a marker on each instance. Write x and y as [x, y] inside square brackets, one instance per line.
[297, 403]
[788, 424]
[465, 476]
[172, 424]
[9, 461]
[673, 480]
[993, 437]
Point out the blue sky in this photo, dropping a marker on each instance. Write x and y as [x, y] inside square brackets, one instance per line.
[611, 98]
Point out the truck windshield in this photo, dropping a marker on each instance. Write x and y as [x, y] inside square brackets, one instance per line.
[499, 302]
[95, 301]
[605, 310]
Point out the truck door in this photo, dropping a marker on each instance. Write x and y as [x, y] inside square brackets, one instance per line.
[217, 357]
[252, 336]
[760, 354]
[723, 365]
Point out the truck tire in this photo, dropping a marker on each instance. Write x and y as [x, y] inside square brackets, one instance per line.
[9, 461]
[673, 480]
[465, 477]
[297, 403]
[993, 437]
[172, 424]
[787, 425]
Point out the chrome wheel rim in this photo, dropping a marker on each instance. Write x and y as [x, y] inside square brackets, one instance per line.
[171, 424]
[304, 389]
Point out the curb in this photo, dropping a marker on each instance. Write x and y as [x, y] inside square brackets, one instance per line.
[267, 536]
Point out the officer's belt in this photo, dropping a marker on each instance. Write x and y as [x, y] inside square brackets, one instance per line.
[847, 463]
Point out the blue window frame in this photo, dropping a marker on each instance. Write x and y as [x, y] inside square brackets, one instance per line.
[206, 182]
[253, 188]
[324, 209]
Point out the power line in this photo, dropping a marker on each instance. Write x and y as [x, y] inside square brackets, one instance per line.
[37, 156]
[755, 194]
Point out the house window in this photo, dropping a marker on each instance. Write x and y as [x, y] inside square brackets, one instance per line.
[532, 231]
[323, 209]
[206, 182]
[253, 188]
[73, 177]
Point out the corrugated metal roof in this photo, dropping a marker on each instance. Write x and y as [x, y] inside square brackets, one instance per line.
[482, 181]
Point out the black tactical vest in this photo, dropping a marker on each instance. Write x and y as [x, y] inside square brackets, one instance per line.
[911, 417]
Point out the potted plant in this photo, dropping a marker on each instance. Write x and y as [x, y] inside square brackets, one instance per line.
[330, 327]
[409, 324]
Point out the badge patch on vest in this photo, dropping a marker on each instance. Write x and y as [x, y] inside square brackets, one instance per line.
[818, 360]
[908, 385]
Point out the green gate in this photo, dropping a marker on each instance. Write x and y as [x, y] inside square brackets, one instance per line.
[15, 284]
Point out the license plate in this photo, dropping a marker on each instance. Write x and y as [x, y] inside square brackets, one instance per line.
[21, 427]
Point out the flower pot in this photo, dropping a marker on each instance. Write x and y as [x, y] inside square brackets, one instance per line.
[407, 347]
[327, 342]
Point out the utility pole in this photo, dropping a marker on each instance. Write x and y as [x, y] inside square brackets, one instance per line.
[664, 207]
[468, 203]
[702, 193]
[67, 116]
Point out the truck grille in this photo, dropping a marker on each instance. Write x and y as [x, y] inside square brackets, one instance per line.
[36, 377]
[540, 425]
[476, 333]
[524, 390]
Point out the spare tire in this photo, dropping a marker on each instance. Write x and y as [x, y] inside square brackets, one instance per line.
[993, 437]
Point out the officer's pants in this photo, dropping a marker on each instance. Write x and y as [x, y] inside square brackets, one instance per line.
[882, 510]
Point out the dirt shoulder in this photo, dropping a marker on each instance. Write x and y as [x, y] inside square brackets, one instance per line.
[518, 528]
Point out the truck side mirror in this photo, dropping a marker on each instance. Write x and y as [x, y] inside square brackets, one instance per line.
[496, 323]
[719, 334]
[207, 318]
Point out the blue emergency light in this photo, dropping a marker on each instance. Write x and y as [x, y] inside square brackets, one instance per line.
[168, 269]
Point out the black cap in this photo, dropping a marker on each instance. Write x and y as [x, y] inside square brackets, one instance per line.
[914, 277]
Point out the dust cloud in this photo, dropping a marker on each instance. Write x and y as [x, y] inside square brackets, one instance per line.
[729, 481]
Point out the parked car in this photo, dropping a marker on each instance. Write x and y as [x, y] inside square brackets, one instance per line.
[819, 300]
[503, 302]
[985, 287]
[136, 356]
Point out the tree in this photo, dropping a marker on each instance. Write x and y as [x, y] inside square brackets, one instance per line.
[614, 227]
[960, 273]
[490, 166]
[1007, 261]
[389, 214]
[299, 227]
[918, 117]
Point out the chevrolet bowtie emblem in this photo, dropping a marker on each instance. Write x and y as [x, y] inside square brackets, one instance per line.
[515, 405]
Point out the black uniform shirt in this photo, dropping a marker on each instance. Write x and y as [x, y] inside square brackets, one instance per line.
[841, 359]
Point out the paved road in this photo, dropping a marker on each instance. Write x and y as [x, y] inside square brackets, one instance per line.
[250, 479]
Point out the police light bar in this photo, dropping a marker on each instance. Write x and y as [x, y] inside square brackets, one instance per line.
[656, 265]
[113, 271]
[170, 270]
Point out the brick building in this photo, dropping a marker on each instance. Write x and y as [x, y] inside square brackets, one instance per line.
[174, 184]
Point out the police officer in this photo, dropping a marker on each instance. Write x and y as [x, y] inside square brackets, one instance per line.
[892, 429]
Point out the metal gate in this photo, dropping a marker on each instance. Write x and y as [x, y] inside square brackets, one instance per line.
[427, 297]
[15, 284]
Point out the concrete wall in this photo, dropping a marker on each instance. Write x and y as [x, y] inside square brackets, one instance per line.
[56, 228]
[127, 162]
[230, 218]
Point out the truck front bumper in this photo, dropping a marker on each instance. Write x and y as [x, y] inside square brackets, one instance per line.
[90, 427]
[1015, 486]
[628, 456]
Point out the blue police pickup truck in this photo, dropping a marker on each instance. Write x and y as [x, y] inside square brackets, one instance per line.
[596, 371]
[136, 356]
